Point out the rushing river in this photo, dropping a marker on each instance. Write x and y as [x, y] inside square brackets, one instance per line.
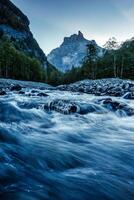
[48, 155]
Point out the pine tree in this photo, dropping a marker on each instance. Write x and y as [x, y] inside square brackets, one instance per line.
[91, 59]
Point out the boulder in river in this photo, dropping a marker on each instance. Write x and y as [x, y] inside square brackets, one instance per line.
[63, 106]
[21, 92]
[69, 107]
[41, 94]
[16, 87]
[101, 87]
[117, 106]
[129, 95]
[2, 93]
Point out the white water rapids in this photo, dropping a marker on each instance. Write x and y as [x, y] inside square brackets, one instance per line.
[46, 154]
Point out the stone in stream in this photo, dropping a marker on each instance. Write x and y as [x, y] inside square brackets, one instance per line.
[63, 106]
[2, 93]
[117, 106]
[41, 94]
[16, 87]
[101, 87]
[129, 95]
[21, 92]
[116, 92]
[69, 107]
[34, 91]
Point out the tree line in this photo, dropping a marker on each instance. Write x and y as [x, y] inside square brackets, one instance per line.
[116, 62]
[16, 64]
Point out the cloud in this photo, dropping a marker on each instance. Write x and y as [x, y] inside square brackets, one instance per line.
[129, 14]
[126, 9]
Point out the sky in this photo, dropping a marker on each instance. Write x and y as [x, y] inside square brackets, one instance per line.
[52, 20]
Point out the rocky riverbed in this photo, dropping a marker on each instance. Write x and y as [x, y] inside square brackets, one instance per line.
[71, 142]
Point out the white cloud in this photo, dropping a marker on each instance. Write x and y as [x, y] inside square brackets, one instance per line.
[129, 14]
[126, 9]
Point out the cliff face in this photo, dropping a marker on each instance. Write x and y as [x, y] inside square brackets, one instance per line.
[15, 25]
[12, 16]
[72, 52]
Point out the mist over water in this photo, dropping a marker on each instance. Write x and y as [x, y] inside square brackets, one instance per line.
[46, 154]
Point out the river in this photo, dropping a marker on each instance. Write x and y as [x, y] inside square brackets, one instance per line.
[50, 155]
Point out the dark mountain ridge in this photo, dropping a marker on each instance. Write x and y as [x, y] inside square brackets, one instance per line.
[15, 25]
[6, 4]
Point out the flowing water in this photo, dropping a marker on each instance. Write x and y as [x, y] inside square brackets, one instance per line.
[48, 155]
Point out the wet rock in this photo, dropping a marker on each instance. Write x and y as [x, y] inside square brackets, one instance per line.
[63, 106]
[117, 106]
[129, 95]
[114, 93]
[21, 92]
[114, 105]
[129, 111]
[34, 91]
[131, 89]
[81, 89]
[109, 87]
[131, 85]
[2, 93]
[70, 107]
[29, 94]
[42, 94]
[16, 87]
[98, 93]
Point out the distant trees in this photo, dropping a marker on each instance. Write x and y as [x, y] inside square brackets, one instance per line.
[16, 64]
[90, 61]
[122, 67]
[112, 45]
[53, 76]
[116, 62]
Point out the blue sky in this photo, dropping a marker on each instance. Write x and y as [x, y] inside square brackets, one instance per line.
[52, 20]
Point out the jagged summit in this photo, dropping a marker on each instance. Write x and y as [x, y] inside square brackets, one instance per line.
[74, 37]
[71, 52]
[80, 34]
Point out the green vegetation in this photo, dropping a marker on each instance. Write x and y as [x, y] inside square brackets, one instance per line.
[115, 63]
[16, 64]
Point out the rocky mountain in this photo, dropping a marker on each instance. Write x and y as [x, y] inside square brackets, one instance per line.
[15, 25]
[71, 52]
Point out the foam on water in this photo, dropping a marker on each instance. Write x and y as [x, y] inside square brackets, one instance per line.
[45, 154]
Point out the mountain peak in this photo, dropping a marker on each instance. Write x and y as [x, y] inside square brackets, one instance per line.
[74, 38]
[80, 34]
[71, 52]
